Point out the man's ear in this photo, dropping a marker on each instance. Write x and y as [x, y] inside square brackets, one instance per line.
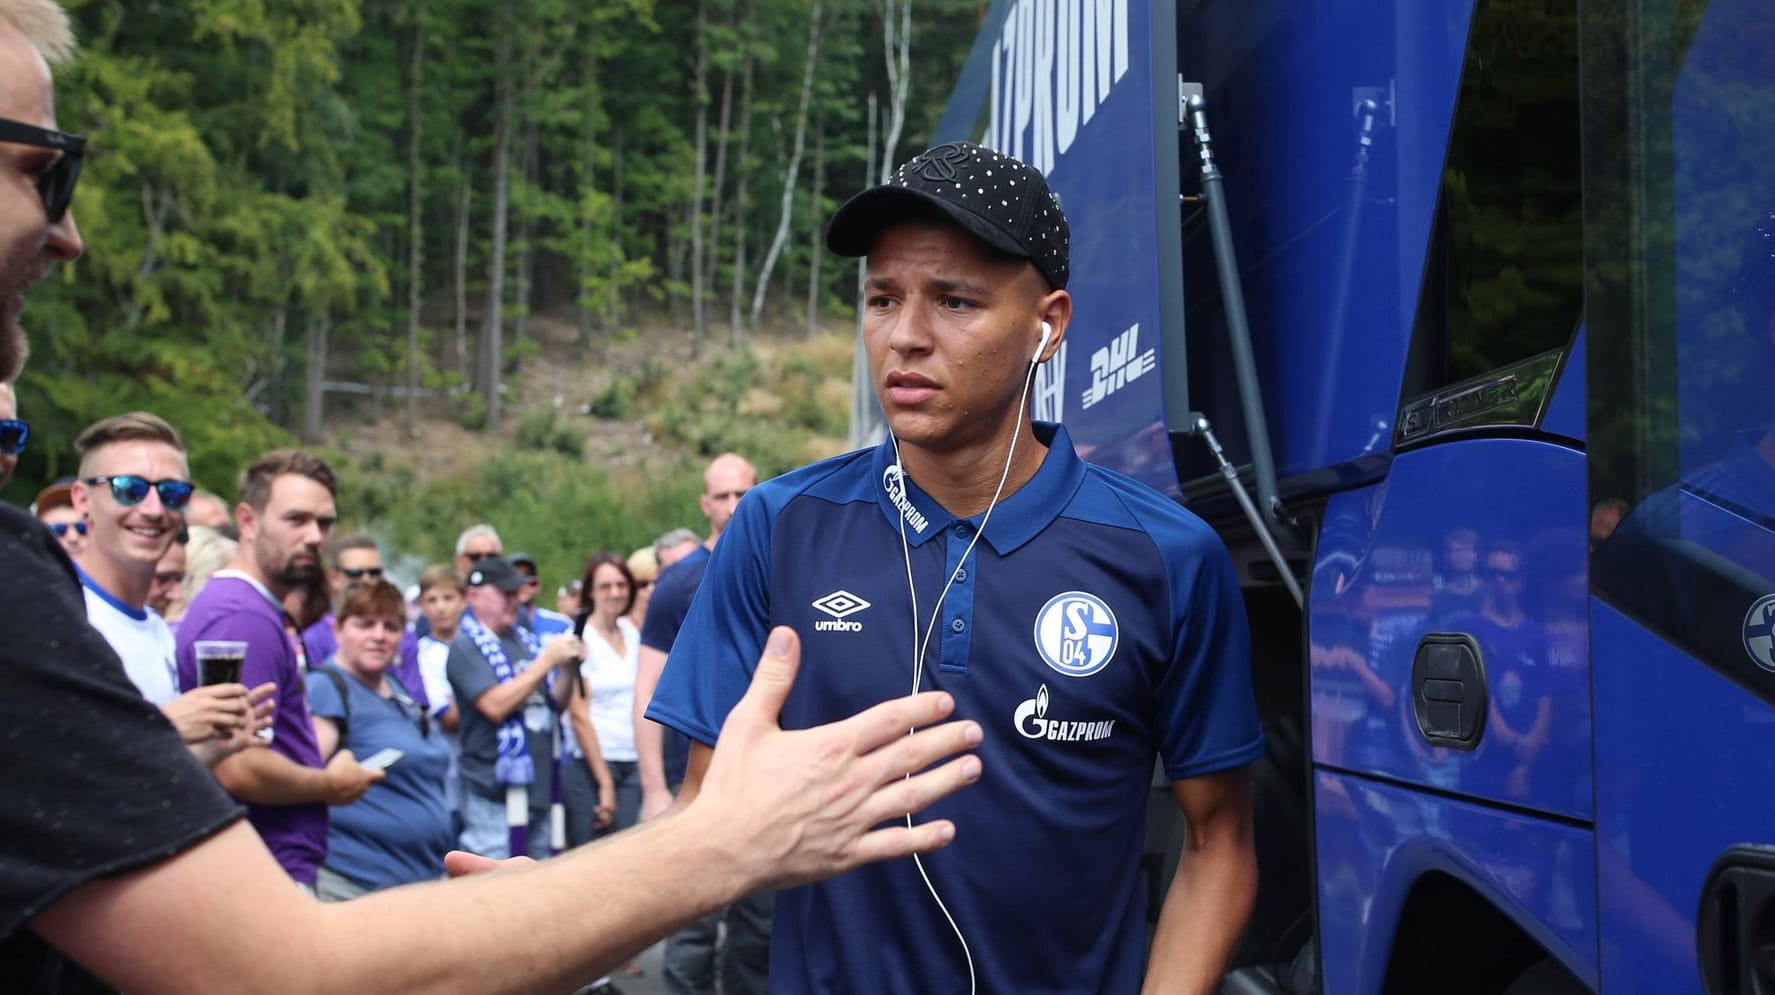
[1055, 308]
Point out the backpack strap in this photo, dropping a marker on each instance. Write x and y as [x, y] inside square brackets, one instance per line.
[338, 679]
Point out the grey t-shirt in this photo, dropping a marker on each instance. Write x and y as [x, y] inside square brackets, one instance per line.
[470, 676]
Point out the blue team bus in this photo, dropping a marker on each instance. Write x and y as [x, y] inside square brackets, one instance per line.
[1479, 298]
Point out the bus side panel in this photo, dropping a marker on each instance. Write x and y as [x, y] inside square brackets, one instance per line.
[1480, 538]
[1682, 775]
[1376, 841]
[1331, 266]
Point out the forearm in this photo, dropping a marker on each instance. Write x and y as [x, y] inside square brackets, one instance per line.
[266, 777]
[1204, 914]
[523, 929]
[502, 701]
[650, 740]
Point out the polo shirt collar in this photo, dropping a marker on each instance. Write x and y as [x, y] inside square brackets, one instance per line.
[1017, 519]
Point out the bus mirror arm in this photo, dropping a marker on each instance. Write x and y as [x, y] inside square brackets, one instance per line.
[1274, 520]
[1198, 425]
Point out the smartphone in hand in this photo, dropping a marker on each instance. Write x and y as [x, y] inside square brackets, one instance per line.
[382, 759]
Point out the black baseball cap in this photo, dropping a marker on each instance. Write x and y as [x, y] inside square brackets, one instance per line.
[999, 200]
[521, 558]
[498, 572]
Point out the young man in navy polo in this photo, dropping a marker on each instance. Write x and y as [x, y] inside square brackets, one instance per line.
[1086, 621]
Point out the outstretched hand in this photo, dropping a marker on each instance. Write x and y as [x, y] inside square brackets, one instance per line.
[809, 800]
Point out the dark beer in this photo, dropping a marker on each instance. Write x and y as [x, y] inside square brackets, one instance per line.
[220, 669]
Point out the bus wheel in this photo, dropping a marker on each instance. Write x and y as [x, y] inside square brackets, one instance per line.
[1546, 977]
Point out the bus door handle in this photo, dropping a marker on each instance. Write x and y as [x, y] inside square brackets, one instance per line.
[1735, 930]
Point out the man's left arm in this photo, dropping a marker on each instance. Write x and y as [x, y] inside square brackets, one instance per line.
[1213, 890]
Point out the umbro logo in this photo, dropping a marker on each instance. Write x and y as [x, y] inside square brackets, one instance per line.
[840, 605]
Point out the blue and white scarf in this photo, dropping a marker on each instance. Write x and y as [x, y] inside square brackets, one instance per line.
[514, 765]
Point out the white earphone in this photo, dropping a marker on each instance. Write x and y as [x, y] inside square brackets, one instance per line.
[1047, 333]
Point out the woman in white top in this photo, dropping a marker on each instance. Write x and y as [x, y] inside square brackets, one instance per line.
[604, 714]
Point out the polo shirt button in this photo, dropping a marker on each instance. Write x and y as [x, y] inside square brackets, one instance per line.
[961, 530]
[961, 575]
[958, 625]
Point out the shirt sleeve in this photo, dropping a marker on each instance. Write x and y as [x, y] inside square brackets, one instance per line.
[97, 782]
[1206, 713]
[323, 696]
[712, 660]
[470, 675]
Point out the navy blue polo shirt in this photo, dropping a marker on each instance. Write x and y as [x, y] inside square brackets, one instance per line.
[666, 611]
[1095, 625]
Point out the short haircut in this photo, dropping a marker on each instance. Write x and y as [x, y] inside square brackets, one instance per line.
[44, 24]
[607, 559]
[441, 575]
[356, 540]
[256, 480]
[644, 561]
[475, 532]
[673, 538]
[371, 598]
[136, 426]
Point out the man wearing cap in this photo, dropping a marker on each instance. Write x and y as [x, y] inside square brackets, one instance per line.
[503, 677]
[54, 507]
[1089, 623]
[544, 622]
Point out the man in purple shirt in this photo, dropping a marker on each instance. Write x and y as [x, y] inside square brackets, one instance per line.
[286, 510]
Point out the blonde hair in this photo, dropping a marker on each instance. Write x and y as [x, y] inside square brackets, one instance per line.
[207, 552]
[44, 23]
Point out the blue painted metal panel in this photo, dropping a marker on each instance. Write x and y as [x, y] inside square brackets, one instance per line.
[1565, 412]
[1481, 536]
[1682, 775]
[1377, 841]
[1331, 272]
[1072, 92]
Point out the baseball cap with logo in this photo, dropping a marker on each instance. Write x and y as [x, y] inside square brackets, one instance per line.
[498, 572]
[999, 200]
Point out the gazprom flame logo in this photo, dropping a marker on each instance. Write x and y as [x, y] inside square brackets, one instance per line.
[1032, 722]
[893, 481]
[1076, 634]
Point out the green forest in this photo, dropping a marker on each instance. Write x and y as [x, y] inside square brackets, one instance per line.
[286, 202]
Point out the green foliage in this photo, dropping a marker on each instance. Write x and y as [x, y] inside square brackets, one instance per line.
[560, 511]
[542, 431]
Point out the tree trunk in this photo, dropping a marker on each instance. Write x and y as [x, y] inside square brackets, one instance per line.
[897, 45]
[717, 202]
[739, 207]
[616, 258]
[415, 227]
[699, 311]
[816, 225]
[462, 219]
[492, 344]
[582, 270]
[787, 211]
[314, 378]
[526, 243]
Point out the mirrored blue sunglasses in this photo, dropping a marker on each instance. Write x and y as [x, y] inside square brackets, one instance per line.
[13, 436]
[130, 490]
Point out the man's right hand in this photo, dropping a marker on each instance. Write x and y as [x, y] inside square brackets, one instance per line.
[347, 780]
[215, 711]
[803, 805]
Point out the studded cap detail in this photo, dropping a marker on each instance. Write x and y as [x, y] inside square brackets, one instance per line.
[1003, 202]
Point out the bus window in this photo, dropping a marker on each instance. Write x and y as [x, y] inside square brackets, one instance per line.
[1503, 278]
[1680, 203]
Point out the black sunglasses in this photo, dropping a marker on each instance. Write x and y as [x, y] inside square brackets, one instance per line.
[56, 185]
[61, 528]
[13, 436]
[478, 557]
[355, 572]
[130, 490]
